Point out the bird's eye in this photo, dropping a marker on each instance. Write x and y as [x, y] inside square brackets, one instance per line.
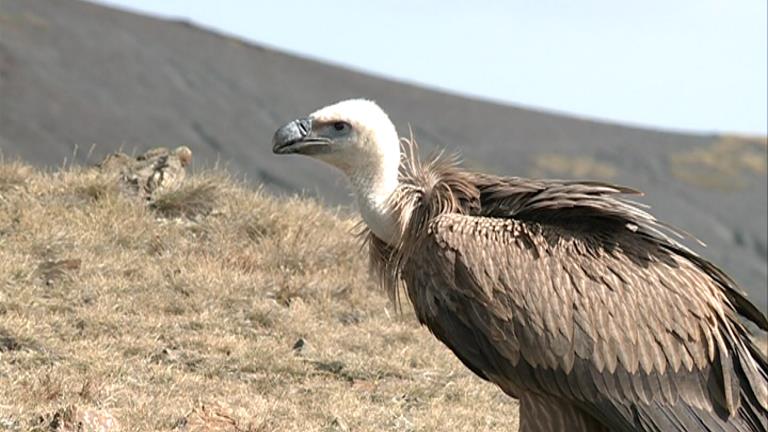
[341, 126]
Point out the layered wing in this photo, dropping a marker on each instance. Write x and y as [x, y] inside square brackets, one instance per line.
[640, 334]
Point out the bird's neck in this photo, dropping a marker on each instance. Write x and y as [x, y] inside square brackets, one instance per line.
[374, 184]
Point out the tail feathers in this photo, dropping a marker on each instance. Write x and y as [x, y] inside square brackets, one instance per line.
[683, 417]
[749, 416]
[755, 367]
[746, 378]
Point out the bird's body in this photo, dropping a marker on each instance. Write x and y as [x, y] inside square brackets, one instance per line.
[565, 295]
[156, 171]
[575, 302]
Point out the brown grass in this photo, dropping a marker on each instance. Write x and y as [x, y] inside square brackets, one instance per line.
[567, 166]
[728, 164]
[218, 308]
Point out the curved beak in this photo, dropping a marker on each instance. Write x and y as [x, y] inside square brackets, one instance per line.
[297, 137]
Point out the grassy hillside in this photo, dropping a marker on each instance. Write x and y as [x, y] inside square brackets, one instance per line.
[217, 308]
[73, 73]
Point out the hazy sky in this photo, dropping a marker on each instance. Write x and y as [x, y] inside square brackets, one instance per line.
[684, 64]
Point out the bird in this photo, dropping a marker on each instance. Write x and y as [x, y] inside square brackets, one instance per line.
[160, 170]
[567, 295]
[155, 171]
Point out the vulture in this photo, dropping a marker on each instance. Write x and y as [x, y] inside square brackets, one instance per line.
[568, 296]
[156, 171]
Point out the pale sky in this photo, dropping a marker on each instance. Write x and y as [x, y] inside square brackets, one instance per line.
[694, 65]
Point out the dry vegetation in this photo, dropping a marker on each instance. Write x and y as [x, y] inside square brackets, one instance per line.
[568, 166]
[724, 165]
[215, 308]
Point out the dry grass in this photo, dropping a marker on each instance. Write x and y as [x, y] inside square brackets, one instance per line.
[724, 165]
[565, 166]
[217, 308]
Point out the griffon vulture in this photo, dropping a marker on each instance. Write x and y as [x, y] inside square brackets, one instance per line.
[565, 295]
[157, 170]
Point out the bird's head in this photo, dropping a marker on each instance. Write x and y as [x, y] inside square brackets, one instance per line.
[353, 135]
[357, 137]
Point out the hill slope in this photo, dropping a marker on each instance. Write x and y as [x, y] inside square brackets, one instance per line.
[246, 313]
[73, 73]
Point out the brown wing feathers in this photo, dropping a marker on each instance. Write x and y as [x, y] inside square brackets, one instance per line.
[673, 361]
[567, 289]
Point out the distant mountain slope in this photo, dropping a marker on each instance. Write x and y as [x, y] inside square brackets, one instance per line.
[75, 74]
